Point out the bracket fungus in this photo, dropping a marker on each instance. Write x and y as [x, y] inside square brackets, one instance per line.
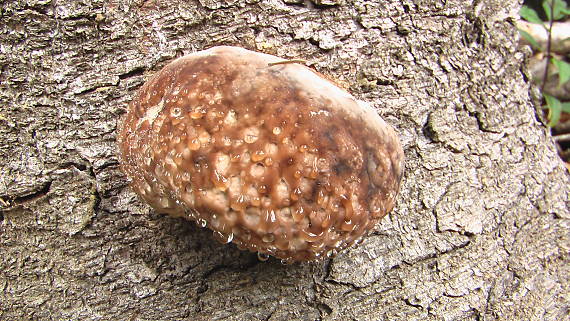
[268, 155]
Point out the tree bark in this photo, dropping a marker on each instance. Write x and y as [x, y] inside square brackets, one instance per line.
[480, 230]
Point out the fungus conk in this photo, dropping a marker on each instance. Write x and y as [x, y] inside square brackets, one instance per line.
[268, 155]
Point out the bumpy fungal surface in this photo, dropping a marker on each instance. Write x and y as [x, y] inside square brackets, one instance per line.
[268, 155]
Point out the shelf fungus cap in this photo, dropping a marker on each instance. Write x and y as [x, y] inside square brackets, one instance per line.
[267, 154]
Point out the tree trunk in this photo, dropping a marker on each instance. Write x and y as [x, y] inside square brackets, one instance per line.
[480, 230]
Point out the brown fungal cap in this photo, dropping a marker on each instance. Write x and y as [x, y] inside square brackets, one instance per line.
[268, 155]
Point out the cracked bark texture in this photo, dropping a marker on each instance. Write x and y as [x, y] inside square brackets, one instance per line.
[480, 230]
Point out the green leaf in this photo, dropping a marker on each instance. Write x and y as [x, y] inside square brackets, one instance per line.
[559, 8]
[528, 37]
[554, 109]
[530, 15]
[566, 107]
[563, 70]
[546, 8]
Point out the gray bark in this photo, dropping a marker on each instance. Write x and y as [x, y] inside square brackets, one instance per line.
[480, 230]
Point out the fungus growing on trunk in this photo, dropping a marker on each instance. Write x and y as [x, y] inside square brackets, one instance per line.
[268, 155]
